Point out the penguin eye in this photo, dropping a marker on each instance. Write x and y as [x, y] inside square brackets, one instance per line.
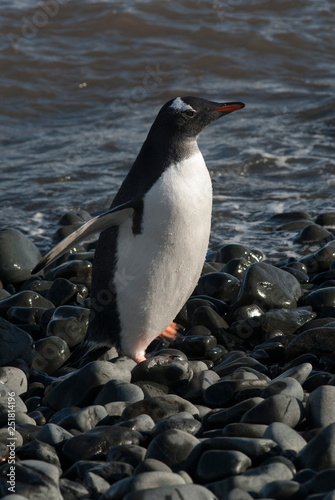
[190, 112]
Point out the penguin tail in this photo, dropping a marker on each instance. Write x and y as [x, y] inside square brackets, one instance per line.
[84, 353]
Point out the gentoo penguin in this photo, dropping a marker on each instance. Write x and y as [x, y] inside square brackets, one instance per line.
[154, 237]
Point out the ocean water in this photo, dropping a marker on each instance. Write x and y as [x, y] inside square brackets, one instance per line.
[82, 81]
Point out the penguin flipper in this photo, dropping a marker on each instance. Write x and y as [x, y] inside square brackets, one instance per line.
[113, 217]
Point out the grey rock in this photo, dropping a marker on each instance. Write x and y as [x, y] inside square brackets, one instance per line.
[152, 465]
[288, 386]
[252, 481]
[142, 423]
[299, 373]
[86, 418]
[243, 430]
[18, 256]
[97, 485]
[278, 408]
[7, 397]
[175, 492]
[320, 409]
[144, 481]
[218, 464]
[14, 378]
[172, 447]
[112, 471]
[182, 421]
[78, 470]
[285, 437]
[284, 489]
[219, 418]
[16, 346]
[225, 391]
[286, 320]
[81, 386]
[319, 453]
[159, 407]
[53, 434]
[37, 450]
[119, 390]
[94, 444]
[71, 490]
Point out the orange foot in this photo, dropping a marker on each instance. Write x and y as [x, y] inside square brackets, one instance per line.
[171, 332]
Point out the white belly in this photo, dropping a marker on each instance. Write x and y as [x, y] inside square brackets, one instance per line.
[158, 269]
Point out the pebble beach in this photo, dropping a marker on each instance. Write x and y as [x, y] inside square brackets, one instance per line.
[241, 405]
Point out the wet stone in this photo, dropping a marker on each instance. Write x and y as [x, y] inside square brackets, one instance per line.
[62, 291]
[95, 443]
[26, 298]
[111, 471]
[26, 315]
[234, 250]
[220, 286]
[278, 408]
[172, 447]
[285, 437]
[96, 484]
[320, 260]
[236, 267]
[207, 317]
[319, 453]
[218, 464]
[323, 297]
[142, 423]
[269, 287]
[227, 367]
[195, 346]
[312, 234]
[320, 409]
[18, 256]
[319, 341]
[159, 407]
[286, 320]
[182, 421]
[225, 391]
[79, 269]
[152, 389]
[50, 354]
[69, 323]
[81, 387]
[164, 370]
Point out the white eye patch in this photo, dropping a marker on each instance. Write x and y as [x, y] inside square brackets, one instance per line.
[179, 105]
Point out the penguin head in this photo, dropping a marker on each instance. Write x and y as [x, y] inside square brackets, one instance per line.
[186, 117]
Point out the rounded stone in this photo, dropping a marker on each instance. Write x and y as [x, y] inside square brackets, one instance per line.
[319, 453]
[164, 370]
[18, 256]
[320, 409]
[175, 492]
[288, 386]
[278, 408]
[159, 407]
[95, 443]
[119, 390]
[16, 346]
[218, 464]
[172, 447]
[81, 387]
[15, 378]
[285, 437]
